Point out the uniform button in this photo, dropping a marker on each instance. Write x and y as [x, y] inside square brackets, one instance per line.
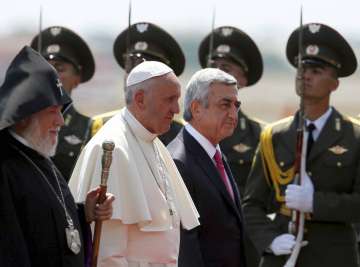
[71, 154]
[282, 164]
[310, 173]
[339, 164]
[241, 161]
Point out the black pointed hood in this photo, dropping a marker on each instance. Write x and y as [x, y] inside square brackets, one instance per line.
[31, 84]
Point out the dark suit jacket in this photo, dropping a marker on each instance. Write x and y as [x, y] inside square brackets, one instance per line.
[218, 241]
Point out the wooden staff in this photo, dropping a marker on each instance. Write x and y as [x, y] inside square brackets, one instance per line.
[108, 147]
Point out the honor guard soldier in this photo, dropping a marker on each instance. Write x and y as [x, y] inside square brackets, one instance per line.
[329, 194]
[237, 54]
[74, 62]
[144, 41]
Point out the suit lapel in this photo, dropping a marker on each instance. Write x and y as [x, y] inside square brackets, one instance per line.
[329, 135]
[206, 164]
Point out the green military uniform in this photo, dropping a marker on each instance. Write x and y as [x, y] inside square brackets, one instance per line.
[60, 43]
[333, 166]
[146, 41]
[237, 47]
[334, 170]
[76, 132]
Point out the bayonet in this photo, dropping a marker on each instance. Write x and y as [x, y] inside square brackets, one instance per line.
[39, 41]
[211, 41]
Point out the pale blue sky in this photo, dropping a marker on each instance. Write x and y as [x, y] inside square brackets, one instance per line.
[256, 16]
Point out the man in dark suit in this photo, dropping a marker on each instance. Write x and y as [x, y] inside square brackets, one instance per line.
[234, 52]
[211, 107]
[329, 194]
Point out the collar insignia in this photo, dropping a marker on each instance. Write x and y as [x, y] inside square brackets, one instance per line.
[72, 139]
[241, 148]
[338, 150]
[142, 27]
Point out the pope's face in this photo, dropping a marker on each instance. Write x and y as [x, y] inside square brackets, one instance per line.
[42, 129]
[161, 103]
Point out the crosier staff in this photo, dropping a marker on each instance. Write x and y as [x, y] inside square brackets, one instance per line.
[108, 147]
[296, 225]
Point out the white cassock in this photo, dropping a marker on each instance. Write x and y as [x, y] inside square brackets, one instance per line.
[151, 198]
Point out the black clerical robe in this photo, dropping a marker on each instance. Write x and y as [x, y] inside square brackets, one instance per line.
[32, 220]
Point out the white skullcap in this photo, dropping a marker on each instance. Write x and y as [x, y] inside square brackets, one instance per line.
[147, 70]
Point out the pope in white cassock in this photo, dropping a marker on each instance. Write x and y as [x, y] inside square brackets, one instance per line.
[151, 198]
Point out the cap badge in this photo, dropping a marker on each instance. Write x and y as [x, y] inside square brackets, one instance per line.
[55, 31]
[241, 148]
[314, 28]
[141, 46]
[338, 150]
[54, 48]
[312, 50]
[223, 48]
[142, 27]
[59, 85]
[226, 31]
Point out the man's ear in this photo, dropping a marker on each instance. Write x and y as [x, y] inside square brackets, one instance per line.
[195, 108]
[335, 85]
[22, 125]
[139, 99]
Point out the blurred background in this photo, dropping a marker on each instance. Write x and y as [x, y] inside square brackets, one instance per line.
[269, 23]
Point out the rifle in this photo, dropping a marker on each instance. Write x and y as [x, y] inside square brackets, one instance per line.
[211, 42]
[128, 42]
[39, 41]
[108, 147]
[296, 225]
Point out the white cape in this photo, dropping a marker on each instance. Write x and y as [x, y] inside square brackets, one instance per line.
[138, 198]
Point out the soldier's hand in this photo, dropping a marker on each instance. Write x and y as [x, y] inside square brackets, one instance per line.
[282, 244]
[94, 211]
[300, 197]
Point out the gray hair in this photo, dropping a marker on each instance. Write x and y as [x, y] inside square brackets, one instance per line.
[132, 89]
[199, 85]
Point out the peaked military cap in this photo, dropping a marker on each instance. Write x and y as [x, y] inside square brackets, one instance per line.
[322, 45]
[61, 43]
[31, 85]
[234, 44]
[151, 43]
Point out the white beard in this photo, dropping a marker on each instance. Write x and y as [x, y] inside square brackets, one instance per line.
[42, 145]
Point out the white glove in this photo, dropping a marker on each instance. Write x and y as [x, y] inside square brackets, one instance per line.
[300, 197]
[282, 244]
